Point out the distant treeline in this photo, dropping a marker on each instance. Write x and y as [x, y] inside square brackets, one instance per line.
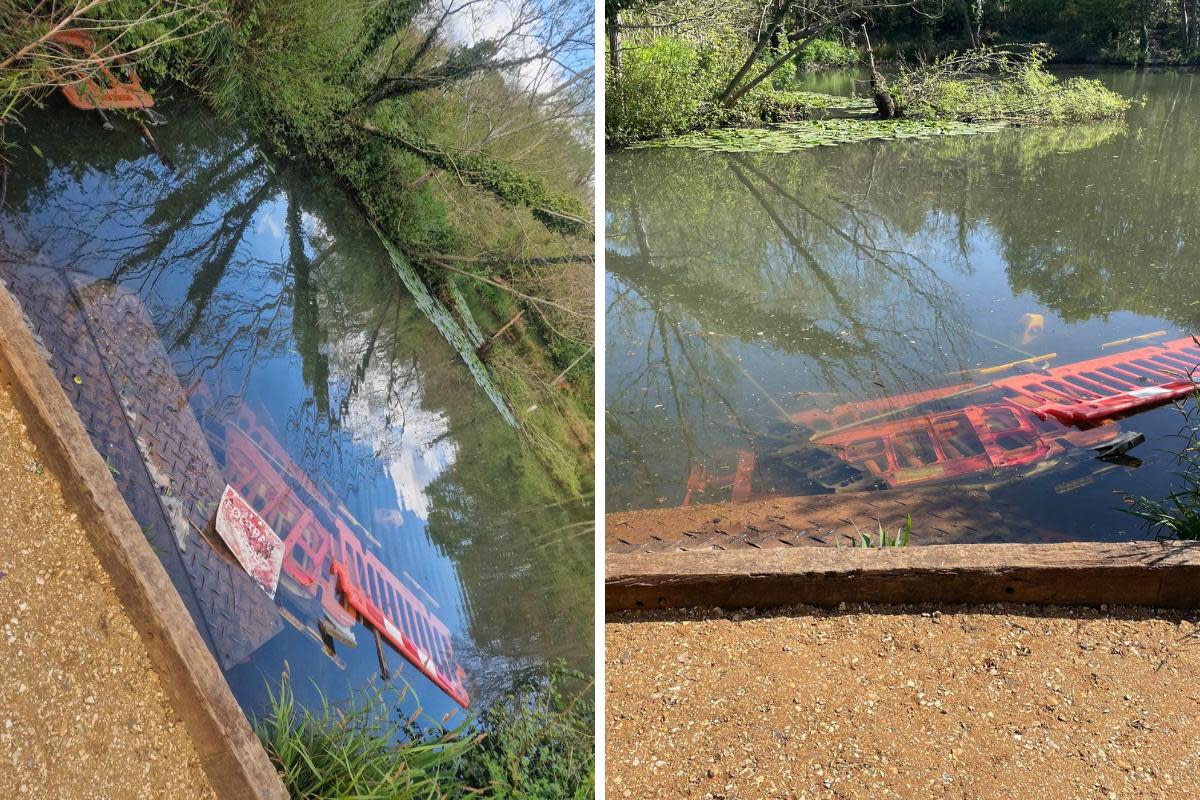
[685, 65]
[1079, 31]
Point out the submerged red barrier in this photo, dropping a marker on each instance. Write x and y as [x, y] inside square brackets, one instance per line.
[325, 560]
[950, 444]
[368, 587]
[1087, 392]
[1024, 419]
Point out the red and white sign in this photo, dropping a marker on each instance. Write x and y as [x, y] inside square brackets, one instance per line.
[258, 549]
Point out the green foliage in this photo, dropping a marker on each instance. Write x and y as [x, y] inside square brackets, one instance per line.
[1080, 31]
[669, 87]
[302, 73]
[1177, 515]
[826, 53]
[538, 742]
[988, 84]
[656, 92]
[558, 211]
[359, 750]
[790, 137]
[883, 538]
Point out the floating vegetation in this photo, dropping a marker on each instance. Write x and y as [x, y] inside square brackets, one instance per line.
[831, 101]
[791, 136]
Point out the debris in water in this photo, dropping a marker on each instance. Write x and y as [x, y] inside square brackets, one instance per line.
[101, 89]
[1112, 451]
[1024, 422]
[258, 549]
[1032, 326]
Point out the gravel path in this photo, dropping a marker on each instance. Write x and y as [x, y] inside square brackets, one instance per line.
[82, 713]
[869, 702]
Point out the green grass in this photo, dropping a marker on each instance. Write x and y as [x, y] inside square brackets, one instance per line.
[360, 750]
[536, 743]
[1177, 514]
[883, 538]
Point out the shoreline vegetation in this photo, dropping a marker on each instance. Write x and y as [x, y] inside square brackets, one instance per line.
[537, 742]
[466, 142]
[466, 146]
[681, 70]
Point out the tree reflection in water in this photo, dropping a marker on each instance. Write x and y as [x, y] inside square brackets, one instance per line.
[267, 285]
[742, 283]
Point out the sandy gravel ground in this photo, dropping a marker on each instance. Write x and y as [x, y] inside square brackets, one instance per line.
[869, 702]
[82, 713]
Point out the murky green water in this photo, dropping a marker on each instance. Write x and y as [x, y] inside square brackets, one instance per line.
[740, 285]
[268, 286]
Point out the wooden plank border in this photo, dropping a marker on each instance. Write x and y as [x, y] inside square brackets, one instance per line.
[230, 753]
[1157, 574]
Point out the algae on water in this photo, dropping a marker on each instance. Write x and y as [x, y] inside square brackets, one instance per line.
[791, 136]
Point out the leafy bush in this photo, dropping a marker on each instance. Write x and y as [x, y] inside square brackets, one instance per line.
[538, 743]
[994, 85]
[655, 92]
[826, 53]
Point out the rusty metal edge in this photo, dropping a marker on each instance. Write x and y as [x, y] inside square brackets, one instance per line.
[232, 757]
[1153, 574]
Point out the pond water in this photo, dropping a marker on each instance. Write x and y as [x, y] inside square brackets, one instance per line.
[745, 287]
[273, 295]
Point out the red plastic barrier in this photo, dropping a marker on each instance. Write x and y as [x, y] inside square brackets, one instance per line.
[1087, 392]
[1091, 412]
[355, 580]
[105, 90]
[387, 606]
[949, 444]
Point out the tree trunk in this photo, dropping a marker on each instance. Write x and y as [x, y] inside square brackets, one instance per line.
[970, 25]
[733, 92]
[730, 95]
[614, 43]
[1193, 39]
[885, 104]
[1143, 45]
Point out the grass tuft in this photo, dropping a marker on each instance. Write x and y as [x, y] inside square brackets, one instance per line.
[535, 744]
[1176, 515]
[359, 750]
[883, 538]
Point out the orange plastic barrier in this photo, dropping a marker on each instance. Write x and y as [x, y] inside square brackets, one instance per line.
[102, 89]
[323, 557]
[1088, 392]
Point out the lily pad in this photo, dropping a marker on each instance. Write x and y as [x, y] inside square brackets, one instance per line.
[791, 136]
